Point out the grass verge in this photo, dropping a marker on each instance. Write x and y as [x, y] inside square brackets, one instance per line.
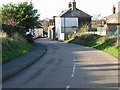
[10, 55]
[107, 44]
[13, 47]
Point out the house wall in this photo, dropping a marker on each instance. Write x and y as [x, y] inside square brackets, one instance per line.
[65, 26]
[84, 21]
[69, 25]
[100, 31]
[38, 32]
[50, 33]
[112, 28]
[57, 27]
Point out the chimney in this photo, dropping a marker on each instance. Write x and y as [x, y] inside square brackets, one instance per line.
[113, 10]
[69, 5]
[74, 5]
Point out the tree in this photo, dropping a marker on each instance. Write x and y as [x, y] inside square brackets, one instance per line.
[45, 25]
[27, 16]
[96, 20]
[23, 15]
[9, 14]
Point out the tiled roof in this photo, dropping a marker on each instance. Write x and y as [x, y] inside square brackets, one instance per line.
[116, 16]
[74, 13]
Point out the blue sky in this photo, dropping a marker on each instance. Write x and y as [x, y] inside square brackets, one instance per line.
[50, 8]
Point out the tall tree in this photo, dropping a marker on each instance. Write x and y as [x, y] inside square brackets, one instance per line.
[9, 14]
[27, 15]
[22, 14]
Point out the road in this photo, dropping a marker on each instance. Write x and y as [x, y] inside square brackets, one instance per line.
[68, 66]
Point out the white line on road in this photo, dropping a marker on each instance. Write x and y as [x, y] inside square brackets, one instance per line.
[73, 70]
[68, 86]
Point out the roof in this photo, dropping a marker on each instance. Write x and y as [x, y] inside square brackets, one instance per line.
[113, 15]
[74, 13]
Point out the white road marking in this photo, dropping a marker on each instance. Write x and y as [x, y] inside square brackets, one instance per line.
[68, 86]
[73, 70]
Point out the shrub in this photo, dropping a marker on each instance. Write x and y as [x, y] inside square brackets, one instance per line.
[117, 44]
[111, 41]
[14, 46]
[84, 29]
[9, 29]
[30, 38]
[89, 37]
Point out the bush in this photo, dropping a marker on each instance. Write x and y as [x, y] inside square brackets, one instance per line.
[13, 47]
[9, 29]
[111, 41]
[30, 38]
[84, 29]
[88, 37]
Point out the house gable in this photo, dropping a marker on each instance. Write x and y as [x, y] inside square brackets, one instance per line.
[70, 21]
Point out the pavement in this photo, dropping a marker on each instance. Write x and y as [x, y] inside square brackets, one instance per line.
[68, 66]
[20, 63]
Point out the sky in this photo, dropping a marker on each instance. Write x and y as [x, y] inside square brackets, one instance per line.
[50, 8]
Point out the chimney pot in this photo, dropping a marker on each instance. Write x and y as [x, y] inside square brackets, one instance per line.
[69, 5]
[74, 5]
[114, 9]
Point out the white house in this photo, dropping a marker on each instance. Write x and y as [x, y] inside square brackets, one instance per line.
[70, 21]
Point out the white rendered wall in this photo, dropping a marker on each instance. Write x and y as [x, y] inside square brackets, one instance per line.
[61, 23]
[38, 32]
[57, 27]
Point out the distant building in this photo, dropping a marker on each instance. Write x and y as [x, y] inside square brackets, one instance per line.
[70, 21]
[108, 25]
[51, 29]
[38, 32]
[112, 22]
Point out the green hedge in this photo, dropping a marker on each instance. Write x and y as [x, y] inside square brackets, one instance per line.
[108, 44]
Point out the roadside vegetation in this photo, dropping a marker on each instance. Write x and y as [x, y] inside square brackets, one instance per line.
[14, 46]
[108, 44]
[17, 19]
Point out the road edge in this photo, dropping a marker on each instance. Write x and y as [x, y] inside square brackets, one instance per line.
[24, 66]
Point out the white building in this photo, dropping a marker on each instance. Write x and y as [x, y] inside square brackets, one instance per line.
[70, 21]
[38, 32]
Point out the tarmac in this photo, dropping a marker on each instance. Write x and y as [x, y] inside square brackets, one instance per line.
[20, 63]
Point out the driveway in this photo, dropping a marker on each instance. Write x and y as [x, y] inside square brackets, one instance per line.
[68, 66]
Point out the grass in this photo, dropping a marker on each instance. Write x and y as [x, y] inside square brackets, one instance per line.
[10, 55]
[107, 44]
[13, 47]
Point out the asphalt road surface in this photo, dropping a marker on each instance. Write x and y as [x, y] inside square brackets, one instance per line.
[68, 66]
